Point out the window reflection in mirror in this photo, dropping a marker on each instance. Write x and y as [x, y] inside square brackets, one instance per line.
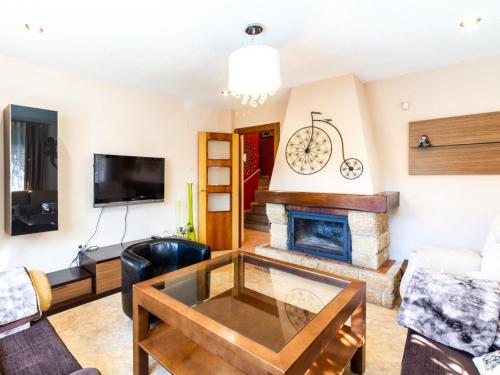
[33, 170]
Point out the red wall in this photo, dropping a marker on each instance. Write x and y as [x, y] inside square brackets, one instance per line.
[251, 149]
[260, 154]
[266, 155]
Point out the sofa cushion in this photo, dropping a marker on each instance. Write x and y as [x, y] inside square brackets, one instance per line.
[425, 356]
[448, 259]
[490, 263]
[488, 364]
[454, 310]
[36, 351]
[491, 252]
[442, 259]
[493, 237]
[18, 301]
[87, 371]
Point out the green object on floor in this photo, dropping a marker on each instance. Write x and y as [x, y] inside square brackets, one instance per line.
[190, 232]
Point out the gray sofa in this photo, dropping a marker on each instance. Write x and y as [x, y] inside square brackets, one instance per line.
[38, 350]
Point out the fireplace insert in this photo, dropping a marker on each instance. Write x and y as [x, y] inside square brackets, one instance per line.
[320, 235]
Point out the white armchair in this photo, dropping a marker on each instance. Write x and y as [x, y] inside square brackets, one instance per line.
[484, 264]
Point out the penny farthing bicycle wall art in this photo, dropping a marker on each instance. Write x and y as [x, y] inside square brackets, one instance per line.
[309, 150]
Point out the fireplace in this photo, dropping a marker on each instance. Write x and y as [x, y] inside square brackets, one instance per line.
[343, 234]
[318, 234]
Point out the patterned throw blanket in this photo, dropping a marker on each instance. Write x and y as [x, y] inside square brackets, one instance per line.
[454, 310]
[18, 301]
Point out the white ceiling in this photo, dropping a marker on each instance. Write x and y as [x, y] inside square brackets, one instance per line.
[179, 49]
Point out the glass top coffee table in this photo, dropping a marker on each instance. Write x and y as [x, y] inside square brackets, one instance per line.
[241, 313]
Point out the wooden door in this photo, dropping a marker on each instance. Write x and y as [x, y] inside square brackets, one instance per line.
[218, 194]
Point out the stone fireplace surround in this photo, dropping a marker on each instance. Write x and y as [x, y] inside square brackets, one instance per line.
[369, 232]
[368, 222]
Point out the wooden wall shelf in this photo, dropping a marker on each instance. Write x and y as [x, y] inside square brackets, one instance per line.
[460, 145]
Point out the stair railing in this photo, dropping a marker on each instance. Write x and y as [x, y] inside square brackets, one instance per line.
[249, 177]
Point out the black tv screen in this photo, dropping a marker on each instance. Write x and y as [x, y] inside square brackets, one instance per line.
[120, 180]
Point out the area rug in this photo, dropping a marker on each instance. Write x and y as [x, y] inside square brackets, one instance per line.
[100, 335]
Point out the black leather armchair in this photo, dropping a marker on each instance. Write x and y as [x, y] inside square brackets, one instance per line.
[152, 258]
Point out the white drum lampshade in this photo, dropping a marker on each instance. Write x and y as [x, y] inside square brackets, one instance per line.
[254, 73]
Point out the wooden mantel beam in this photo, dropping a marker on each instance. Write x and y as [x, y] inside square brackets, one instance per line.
[382, 202]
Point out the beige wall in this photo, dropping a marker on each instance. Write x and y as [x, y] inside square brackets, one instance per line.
[97, 118]
[444, 210]
[265, 114]
[341, 100]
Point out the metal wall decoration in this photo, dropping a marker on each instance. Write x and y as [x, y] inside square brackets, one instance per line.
[309, 149]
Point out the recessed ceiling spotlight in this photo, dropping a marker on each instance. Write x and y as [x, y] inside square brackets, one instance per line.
[225, 92]
[33, 28]
[470, 22]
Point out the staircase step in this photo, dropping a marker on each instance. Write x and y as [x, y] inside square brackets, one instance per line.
[258, 227]
[263, 180]
[257, 204]
[259, 209]
[256, 218]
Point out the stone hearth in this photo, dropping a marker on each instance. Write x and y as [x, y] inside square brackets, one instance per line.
[382, 285]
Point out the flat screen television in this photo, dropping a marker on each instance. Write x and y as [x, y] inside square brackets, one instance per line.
[122, 180]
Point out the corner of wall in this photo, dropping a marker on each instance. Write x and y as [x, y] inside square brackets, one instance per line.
[370, 138]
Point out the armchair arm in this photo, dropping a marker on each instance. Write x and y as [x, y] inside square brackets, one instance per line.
[134, 269]
[440, 259]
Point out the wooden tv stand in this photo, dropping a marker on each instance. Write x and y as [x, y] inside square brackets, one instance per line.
[99, 275]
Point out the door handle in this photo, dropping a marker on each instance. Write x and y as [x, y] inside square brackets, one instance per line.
[203, 190]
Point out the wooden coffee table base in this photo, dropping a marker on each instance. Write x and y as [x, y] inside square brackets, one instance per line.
[186, 357]
[221, 334]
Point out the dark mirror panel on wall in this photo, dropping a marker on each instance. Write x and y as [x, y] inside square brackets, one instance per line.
[30, 137]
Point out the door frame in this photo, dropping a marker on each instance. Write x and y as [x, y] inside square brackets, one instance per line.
[275, 127]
